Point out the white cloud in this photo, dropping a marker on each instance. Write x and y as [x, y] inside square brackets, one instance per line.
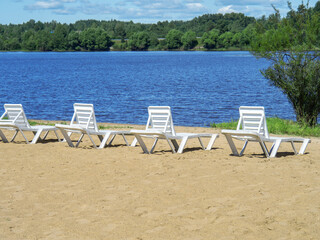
[124, 9]
[226, 9]
[195, 6]
[47, 5]
[65, 11]
[158, 10]
[255, 8]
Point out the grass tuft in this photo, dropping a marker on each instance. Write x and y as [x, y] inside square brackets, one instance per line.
[33, 123]
[101, 127]
[226, 125]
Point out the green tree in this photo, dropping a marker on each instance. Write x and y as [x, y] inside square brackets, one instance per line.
[103, 41]
[28, 40]
[12, 44]
[139, 41]
[225, 39]
[317, 7]
[189, 40]
[210, 40]
[88, 39]
[120, 46]
[248, 34]
[74, 40]
[1, 44]
[60, 33]
[174, 39]
[154, 42]
[42, 39]
[119, 31]
[95, 39]
[291, 45]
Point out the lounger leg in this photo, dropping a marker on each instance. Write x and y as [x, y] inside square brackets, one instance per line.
[25, 138]
[201, 143]
[14, 136]
[45, 135]
[104, 140]
[171, 146]
[36, 136]
[175, 144]
[113, 137]
[231, 144]
[243, 148]
[154, 145]
[134, 142]
[275, 148]
[3, 137]
[182, 144]
[212, 140]
[304, 146]
[294, 149]
[57, 135]
[39, 138]
[100, 138]
[264, 149]
[142, 144]
[125, 139]
[80, 139]
[66, 137]
[69, 135]
[94, 145]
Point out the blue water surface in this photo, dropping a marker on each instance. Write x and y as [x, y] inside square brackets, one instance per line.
[201, 87]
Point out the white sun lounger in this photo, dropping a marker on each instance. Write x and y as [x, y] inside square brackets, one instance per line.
[252, 126]
[160, 126]
[14, 118]
[84, 122]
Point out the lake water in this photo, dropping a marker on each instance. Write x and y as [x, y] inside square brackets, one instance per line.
[200, 87]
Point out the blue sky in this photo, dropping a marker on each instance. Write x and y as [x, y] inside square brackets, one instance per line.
[144, 11]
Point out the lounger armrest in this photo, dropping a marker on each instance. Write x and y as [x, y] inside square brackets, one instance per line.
[147, 132]
[240, 132]
[113, 132]
[69, 127]
[7, 123]
[286, 139]
[37, 127]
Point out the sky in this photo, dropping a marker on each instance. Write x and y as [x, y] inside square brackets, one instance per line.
[143, 11]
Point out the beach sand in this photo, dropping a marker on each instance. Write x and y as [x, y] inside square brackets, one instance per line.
[51, 191]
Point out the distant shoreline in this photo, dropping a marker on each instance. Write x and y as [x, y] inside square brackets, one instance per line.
[198, 50]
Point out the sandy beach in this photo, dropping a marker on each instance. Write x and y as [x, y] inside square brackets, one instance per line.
[51, 191]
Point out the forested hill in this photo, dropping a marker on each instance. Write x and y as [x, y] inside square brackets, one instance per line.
[96, 35]
[234, 22]
[209, 31]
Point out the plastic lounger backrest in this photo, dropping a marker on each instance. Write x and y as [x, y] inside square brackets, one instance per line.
[160, 118]
[15, 113]
[84, 116]
[253, 119]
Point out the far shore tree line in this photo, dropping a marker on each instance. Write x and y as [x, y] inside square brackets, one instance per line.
[232, 31]
[208, 32]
